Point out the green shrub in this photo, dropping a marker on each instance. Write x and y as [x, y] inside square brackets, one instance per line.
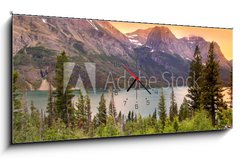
[200, 122]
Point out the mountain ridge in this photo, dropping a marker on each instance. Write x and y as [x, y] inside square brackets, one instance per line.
[38, 40]
[188, 44]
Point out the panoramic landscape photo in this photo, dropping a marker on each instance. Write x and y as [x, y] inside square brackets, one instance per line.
[81, 78]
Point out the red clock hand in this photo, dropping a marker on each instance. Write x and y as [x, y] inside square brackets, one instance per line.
[131, 73]
[136, 79]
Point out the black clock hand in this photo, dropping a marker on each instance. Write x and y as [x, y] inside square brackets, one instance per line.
[131, 85]
[144, 87]
[136, 79]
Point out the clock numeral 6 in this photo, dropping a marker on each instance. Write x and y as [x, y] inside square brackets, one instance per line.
[136, 106]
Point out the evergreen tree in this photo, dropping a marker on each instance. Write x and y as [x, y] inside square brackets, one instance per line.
[112, 107]
[184, 110]
[129, 116]
[64, 108]
[42, 120]
[154, 115]
[17, 106]
[162, 110]
[212, 87]
[95, 121]
[135, 117]
[50, 106]
[35, 117]
[173, 112]
[153, 120]
[119, 117]
[88, 112]
[175, 124]
[195, 80]
[132, 116]
[102, 111]
[81, 114]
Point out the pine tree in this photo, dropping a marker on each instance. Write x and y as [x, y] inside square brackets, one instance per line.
[42, 120]
[119, 118]
[95, 121]
[112, 107]
[173, 112]
[175, 124]
[195, 80]
[154, 115]
[132, 116]
[102, 111]
[88, 112]
[162, 110]
[184, 110]
[81, 114]
[212, 87]
[129, 116]
[50, 106]
[17, 106]
[64, 108]
[135, 117]
[35, 116]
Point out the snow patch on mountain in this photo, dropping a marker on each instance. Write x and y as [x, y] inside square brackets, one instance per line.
[44, 20]
[136, 42]
[92, 24]
[133, 40]
[131, 36]
[101, 25]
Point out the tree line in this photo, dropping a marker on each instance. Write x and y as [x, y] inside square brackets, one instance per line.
[203, 108]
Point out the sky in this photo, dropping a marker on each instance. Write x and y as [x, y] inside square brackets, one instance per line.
[222, 36]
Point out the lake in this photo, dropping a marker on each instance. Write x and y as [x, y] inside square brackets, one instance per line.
[40, 99]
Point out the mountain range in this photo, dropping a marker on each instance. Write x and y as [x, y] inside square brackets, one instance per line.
[38, 40]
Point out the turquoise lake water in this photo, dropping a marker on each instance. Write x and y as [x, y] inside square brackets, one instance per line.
[124, 101]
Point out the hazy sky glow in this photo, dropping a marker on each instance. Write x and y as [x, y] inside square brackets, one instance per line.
[222, 36]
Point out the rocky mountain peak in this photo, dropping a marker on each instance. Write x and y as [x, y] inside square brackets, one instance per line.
[160, 34]
[161, 39]
[139, 37]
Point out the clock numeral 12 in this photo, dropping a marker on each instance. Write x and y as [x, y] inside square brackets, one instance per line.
[116, 64]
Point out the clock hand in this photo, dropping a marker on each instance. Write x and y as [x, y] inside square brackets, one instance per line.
[131, 73]
[136, 79]
[131, 85]
[144, 87]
